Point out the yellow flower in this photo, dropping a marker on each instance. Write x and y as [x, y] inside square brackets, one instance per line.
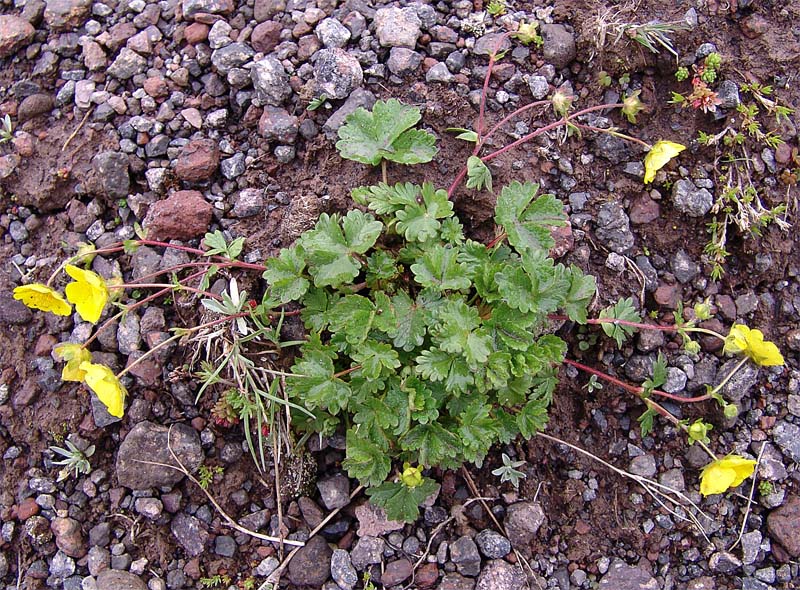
[74, 355]
[88, 293]
[658, 156]
[752, 343]
[411, 476]
[105, 384]
[37, 296]
[725, 473]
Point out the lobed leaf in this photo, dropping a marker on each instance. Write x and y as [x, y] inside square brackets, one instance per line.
[527, 221]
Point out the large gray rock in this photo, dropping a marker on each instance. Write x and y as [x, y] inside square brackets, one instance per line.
[523, 520]
[691, 200]
[270, 81]
[397, 27]
[337, 73]
[152, 442]
[622, 576]
[559, 45]
[119, 580]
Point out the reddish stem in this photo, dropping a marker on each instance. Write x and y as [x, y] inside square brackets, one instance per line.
[633, 388]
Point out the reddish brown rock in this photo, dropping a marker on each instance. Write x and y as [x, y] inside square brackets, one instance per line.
[783, 526]
[564, 241]
[753, 26]
[397, 572]
[668, 295]
[427, 575]
[27, 508]
[68, 536]
[156, 87]
[266, 36]
[198, 160]
[644, 210]
[198, 33]
[15, 33]
[182, 216]
[66, 15]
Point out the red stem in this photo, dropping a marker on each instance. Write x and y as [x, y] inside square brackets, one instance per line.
[633, 388]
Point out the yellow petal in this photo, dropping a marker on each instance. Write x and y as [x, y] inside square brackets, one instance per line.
[736, 340]
[42, 297]
[722, 474]
[88, 293]
[658, 156]
[106, 386]
[74, 355]
[763, 352]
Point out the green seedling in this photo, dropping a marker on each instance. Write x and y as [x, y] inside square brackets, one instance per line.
[509, 471]
[75, 461]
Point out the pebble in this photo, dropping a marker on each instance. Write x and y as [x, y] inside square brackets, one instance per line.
[148, 442]
[783, 525]
[112, 579]
[15, 33]
[197, 161]
[492, 544]
[270, 81]
[190, 533]
[397, 27]
[559, 46]
[538, 86]
[184, 215]
[337, 73]
[613, 228]
[311, 565]
[367, 551]
[691, 200]
[501, 575]
[464, 553]
[68, 536]
[396, 572]
[522, 521]
[621, 576]
[342, 570]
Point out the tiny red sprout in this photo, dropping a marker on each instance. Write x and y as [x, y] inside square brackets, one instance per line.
[252, 303]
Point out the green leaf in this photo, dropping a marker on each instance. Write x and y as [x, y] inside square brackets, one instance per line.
[621, 310]
[419, 220]
[477, 431]
[646, 421]
[400, 501]
[366, 461]
[437, 365]
[352, 316]
[510, 327]
[285, 275]
[435, 445]
[385, 199]
[457, 331]
[376, 359]
[515, 286]
[330, 252]
[478, 174]
[528, 222]
[313, 381]
[386, 132]
[532, 418]
[464, 134]
[316, 306]
[582, 289]
[381, 268]
[215, 243]
[659, 375]
[412, 322]
[440, 270]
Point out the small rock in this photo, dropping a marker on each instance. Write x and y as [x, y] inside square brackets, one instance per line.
[439, 73]
[367, 551]
[231, 56]
[728, 93]
[66, 15]
[197, 161]
[690, 200]
[62, 566]
[488, 44]
[397, 27]
[751, 544]
[33, 106]
[266, 36]
[149, 442]
[311, 565]
[683, 267]
[266, 567]
[741, 383]
[724, 562]
[112, 171]
[613, 228]
[119, 580]
[622, 576]
[332, 33]
[277, 124]
[249, 202]
[783, 525]
[464, 553]
[501, 575]
[270, 81]
[372, 521]
[359, 98]
[396, 572]
[150, 508]
[192, 8]
[127, 64]
[754, 26]
[342, 570]
[184, 215]
[559, 45]
[643, 465]
[403, 61]
[492, 544]
[190, 533]
[337, 73]
[225, 546]
[522, 522]
[645, 210]
[15, 33]
[68, 537]
[538, 86]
